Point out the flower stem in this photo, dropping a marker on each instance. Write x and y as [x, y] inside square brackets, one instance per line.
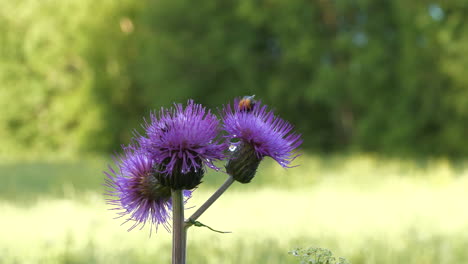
[209, 202]
[179, 234]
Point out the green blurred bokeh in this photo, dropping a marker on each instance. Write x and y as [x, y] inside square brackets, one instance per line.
[78, 76]
[368, 83]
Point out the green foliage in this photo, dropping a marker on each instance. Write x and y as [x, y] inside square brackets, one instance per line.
[364, 75]
[316, 256]
[48, 79]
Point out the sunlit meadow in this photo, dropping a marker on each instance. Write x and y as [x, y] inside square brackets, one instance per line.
[366, 209]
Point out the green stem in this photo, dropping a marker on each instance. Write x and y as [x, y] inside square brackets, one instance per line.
[209, 202]
[179, 234]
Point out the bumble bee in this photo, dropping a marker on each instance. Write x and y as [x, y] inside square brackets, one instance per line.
[247, 103]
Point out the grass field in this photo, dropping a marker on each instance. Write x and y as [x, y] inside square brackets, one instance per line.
[366, 209]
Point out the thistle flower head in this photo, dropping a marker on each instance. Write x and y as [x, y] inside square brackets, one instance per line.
[258, 133]
[183, 140]
[135, 191]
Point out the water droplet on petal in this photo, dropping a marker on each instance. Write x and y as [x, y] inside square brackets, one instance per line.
[232, 148]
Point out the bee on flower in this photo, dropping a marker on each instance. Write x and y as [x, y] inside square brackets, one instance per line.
[258, 133]
[247, 103]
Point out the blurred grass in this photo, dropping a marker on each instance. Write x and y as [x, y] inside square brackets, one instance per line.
[26, 180]
[29, 180]
[366, 209]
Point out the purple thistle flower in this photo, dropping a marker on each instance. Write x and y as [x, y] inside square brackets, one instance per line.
[135, 190]
[260, 133]
[182, 140]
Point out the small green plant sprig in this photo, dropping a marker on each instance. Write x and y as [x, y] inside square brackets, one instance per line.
[316, 256]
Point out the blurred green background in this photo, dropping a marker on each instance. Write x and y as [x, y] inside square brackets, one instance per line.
[378, 90]
[379, 76]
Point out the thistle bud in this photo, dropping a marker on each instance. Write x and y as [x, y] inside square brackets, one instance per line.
[179, 179]
[243, 163]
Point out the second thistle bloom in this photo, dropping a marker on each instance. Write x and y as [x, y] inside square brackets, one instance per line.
[181, 141]
[135, 191]
[258, 133]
